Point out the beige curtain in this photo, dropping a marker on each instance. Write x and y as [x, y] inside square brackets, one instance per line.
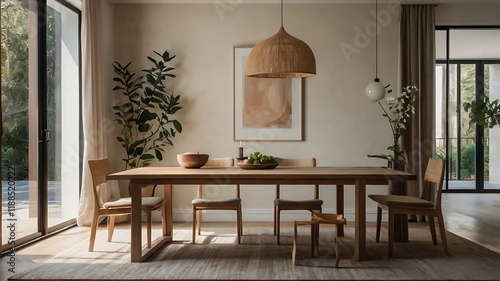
[417, 67]
[93, 109]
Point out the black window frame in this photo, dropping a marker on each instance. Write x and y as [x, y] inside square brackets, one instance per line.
[479, 177]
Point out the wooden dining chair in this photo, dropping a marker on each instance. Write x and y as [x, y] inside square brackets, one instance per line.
[200, 203]
[99, 169]
[317, 219]
[282, 204]
[410, 205]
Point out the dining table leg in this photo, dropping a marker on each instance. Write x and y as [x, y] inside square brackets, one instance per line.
[360, 220]
[136, 235]
[167, 208]
[340, 208]
[400, 221]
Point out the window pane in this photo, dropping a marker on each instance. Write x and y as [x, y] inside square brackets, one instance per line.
[440, 44]
[474, 44]
[20, 122]
[452, 122]
[63, 113]
[440, 124]
[464, 153]
[492, 136]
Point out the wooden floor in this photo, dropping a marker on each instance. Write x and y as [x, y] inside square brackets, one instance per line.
[479, 222]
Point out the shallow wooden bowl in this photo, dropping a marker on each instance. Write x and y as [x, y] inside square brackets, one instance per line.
[192, 160]
[257, 166]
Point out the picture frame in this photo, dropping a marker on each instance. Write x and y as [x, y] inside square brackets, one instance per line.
[265, 109]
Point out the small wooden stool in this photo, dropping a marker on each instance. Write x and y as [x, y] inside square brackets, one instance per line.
[316, 220]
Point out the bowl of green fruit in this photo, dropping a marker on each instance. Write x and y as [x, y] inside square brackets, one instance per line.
[257, 160]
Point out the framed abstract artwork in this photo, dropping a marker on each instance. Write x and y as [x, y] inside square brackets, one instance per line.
[265, 109]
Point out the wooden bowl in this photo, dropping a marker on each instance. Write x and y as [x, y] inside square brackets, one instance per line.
[192, 160]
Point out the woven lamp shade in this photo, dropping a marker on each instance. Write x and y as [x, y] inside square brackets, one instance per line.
[281, 56]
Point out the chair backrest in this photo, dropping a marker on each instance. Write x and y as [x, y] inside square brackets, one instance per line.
[301, 162]
[433, 174]
[219, 162]
[99, 169]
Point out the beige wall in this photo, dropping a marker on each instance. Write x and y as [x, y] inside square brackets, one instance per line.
[341, 125]
[468, 14]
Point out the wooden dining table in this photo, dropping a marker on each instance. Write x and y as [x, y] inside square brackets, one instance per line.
[358, 177]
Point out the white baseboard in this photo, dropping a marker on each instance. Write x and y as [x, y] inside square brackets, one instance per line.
[263, 215]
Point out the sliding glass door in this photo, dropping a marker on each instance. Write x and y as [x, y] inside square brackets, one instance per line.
[41, 113]
[467, 68]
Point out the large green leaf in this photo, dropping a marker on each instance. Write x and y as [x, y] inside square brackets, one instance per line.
[174, 110]
[177, 126]
[152, 116]
[153, 60]
[148, 91]
[118, 79]
[146, 157]
[151, 79]
[137, 143]
[144, 128]
[144, 117]
[158, 154]
[170, 58]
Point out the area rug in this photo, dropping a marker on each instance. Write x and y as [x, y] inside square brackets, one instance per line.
[217, 256]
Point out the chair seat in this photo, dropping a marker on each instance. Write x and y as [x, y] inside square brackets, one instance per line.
[314, 204]
[318, 218]
[217, 203]
[127, 202]
[400, 200]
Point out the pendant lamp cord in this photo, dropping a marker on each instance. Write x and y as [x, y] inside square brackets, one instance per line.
[376, 38]
[281, 13]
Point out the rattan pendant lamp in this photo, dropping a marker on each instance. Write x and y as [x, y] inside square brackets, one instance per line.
[281, 56]
[375, 91]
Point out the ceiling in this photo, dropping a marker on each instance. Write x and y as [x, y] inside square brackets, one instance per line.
[310, 1]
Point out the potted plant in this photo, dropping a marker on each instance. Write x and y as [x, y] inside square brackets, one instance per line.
[398, 112]
[146, 116]
[483, 112]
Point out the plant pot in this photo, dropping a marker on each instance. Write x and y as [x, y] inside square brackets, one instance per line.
[399, 165]
[398, 187]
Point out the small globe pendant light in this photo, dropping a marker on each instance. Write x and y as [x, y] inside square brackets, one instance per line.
[281, 56]
[375, 91]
